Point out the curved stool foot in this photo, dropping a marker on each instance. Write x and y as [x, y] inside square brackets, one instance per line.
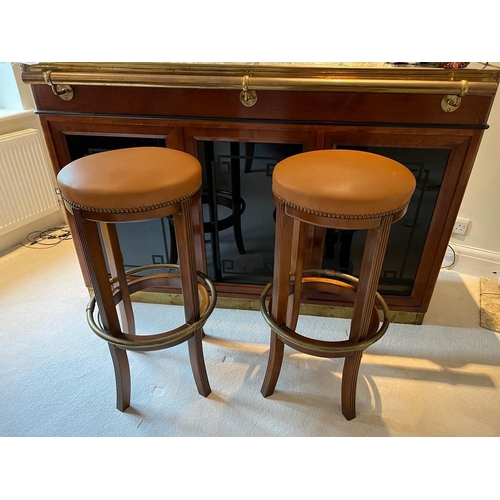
[349, 384]
[274, 363]
[122, 377]
[198, 364]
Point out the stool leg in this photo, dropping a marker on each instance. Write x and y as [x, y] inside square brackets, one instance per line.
[199, 238]
[296, 269]
[281, 287]
[98, 273]
[187, 263]
[371, 267]
[122, 376]
[117, 270]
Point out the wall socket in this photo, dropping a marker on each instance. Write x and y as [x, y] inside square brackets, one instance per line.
[461, 226]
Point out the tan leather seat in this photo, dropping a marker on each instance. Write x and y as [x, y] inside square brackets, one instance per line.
[343, 184]
[130, 180]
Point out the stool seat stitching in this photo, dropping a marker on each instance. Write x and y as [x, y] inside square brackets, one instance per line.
[338, 216]
[146, 208]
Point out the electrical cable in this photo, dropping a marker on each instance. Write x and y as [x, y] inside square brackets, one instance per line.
[47, 238]
[454, 257]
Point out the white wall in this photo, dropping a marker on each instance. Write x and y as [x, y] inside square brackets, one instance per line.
[9, 95]
[478, 252]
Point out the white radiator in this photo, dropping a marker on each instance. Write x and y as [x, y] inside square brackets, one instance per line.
[26, 186]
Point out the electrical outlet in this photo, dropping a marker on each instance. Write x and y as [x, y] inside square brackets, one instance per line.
[461, 226]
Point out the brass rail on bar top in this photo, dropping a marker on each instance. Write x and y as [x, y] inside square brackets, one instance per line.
[249, 79]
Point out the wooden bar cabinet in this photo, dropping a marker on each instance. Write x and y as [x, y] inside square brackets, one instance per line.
[240, 119]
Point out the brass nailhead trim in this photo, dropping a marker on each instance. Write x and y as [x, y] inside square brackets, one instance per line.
[146, 208]
[338, 216]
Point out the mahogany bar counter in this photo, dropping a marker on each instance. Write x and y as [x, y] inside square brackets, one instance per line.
[240, 119]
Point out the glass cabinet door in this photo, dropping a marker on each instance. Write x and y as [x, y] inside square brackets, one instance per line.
[238, 208]
[417, 242]
[343, 250]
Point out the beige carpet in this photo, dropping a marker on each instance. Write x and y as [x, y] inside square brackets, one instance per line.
[439, 379]
[490, 304]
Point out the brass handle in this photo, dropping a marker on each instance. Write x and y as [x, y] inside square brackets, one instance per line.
[451, 103]
[65, 92]
[247, 97]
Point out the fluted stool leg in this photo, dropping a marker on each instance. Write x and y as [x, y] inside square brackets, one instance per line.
[117, 271]
[371, 267]
[282, 266]
[298, 244]
[122, 377]
[95, 261]
[187, 263]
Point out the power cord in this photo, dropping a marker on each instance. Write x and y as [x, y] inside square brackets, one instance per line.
[41, 240]
[454, 258]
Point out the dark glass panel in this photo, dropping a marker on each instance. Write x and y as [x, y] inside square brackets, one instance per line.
[238, 208]
[344, 249]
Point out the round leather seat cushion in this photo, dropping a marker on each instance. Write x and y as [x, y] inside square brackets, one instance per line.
[133, 178]
[343, 183]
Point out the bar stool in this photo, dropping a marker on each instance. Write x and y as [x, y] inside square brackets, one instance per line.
[338, 189]
[129, 185]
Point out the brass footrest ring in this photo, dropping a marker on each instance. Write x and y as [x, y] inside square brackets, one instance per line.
[156, 341]
[328, 349]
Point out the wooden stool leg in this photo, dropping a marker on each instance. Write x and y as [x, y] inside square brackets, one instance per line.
[275, 360]
[371, 267]
[122, 377]
[281, 287]
[187, 263]
[349, 384]
[117, 270]
[98, 273]
[296, 269]
[119, 356]
[199, 238]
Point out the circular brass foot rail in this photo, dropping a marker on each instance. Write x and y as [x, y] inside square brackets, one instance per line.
[161, 340]
[327, 349]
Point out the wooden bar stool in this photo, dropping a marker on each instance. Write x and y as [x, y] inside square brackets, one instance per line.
[338, 189]
[129, 185]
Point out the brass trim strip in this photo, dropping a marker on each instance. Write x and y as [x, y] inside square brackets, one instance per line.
[327, 82]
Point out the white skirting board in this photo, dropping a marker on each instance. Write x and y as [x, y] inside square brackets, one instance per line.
[472, 261]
